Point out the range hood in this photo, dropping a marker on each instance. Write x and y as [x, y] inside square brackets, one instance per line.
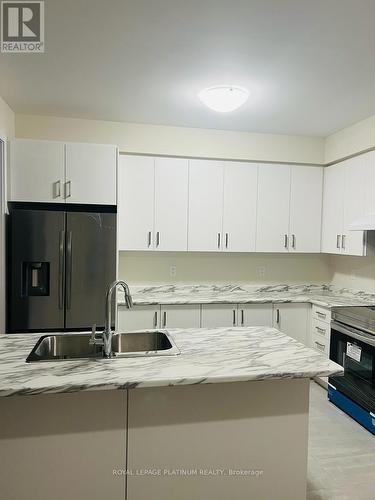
[364, 223]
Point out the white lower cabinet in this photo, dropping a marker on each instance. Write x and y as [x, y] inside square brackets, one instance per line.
[255, 315]
[219, 315]
[294, 320]
[138, 318]
[224, 315]
[148, 317]
[180, 316]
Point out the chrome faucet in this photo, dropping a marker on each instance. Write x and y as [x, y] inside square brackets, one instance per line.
[106, 336]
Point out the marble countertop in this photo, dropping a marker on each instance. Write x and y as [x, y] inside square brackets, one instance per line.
[207, 356]
[321, 295]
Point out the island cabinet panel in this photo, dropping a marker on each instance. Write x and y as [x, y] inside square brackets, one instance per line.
[294, 320]
[218, 441]
[63, 446]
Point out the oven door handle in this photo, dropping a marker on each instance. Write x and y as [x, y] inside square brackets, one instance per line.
[363, 337]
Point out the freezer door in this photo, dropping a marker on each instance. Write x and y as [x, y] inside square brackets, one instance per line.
[36, 270]
[90, 267]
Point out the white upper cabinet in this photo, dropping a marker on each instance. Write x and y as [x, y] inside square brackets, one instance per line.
[352, 242]
[240, 206]
[152, 203]
[369, 173]
[333, 201]
[136, 185]
[343, 203]
[90, 174]
[171, 203]
[305, 209]
[45, 171]
[37, 171]
[205, 205]
[273, 208]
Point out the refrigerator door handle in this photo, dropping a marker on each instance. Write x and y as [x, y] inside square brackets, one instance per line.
[61, 268]
[69, 270]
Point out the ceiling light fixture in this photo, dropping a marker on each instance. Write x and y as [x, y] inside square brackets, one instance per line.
[224, 98]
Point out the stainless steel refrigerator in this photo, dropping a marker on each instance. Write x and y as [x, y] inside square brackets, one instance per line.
[60, 264]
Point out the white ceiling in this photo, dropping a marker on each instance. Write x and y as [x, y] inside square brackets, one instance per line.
[309, 65]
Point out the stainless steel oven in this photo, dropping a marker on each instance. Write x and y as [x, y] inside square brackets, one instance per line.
[353, 347]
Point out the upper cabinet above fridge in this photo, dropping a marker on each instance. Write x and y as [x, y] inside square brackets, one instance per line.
[55, 172]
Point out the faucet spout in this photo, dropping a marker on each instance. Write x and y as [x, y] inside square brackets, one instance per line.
[107, 333]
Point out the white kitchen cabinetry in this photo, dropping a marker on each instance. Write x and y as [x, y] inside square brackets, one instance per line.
[138, 318]
[37, 171]
[136, 180]
[273, 208]
[289, 208]
[225, 315]
[171, 204]
[180, 316]
[91, 174]
[343, 203]
[156, 316]
[305, 209]
[152, 203]
[294, 320]
[205, 205]
[255, 315]
[44, 171]
[240, 207]
[219, 315]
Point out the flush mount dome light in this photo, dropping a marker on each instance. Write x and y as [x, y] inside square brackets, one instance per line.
[224, 98]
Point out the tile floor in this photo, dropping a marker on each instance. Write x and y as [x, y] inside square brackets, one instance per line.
[341, 453]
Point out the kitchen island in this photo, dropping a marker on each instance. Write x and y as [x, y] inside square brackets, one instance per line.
[227, 418]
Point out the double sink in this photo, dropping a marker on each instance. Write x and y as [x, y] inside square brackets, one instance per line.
[65, 346]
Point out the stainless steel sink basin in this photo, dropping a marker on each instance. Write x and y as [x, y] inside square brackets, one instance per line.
[65, 346]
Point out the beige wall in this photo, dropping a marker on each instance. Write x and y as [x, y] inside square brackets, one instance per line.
[350, 140]
[197, 267]
[7, 121]
[355, 273]
[155, 139]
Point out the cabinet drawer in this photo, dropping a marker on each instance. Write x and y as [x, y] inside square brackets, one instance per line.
[321, 314]
[321, 329]
[320, 344]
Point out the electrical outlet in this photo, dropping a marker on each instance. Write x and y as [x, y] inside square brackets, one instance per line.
[173, 271]
[261, 271]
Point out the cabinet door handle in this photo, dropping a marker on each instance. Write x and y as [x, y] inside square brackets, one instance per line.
[242, 318]
[68, 189]
[164, 319]
[218, 240]
[322, 315]
[155, 319]
[285, 241]
[234, 317]
[343, 241]
[57, 189]
[157, 239]
[226, 240]
[149, 239]
[338, 241]
[320, 330]
[294, 241]
[278, 316]
[320, 346]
